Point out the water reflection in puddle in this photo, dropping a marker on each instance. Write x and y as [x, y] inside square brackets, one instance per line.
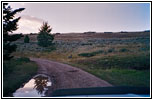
[36, 87]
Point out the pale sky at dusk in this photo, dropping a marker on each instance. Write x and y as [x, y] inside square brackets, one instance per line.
[82, 17]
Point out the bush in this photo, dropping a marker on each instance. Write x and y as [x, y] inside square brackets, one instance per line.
[23, 59]
[91, 54]
[26, 39]
[123, 50]
[86, 54]
[111, 50]
[86, 44]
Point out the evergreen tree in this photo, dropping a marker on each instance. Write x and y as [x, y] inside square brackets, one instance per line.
[9, 25]
[44, 37]
[26, 39]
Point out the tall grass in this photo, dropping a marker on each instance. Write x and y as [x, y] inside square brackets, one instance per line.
[138, 62]
[15, 73]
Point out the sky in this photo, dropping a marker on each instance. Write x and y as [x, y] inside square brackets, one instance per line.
[83, 17]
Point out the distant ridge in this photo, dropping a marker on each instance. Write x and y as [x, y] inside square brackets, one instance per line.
[88, 32]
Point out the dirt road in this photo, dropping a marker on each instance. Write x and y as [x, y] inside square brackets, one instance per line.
[65, 76]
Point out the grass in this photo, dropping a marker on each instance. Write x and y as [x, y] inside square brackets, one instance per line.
[124, 77]
[15, 73]
[139, 62]
[119, 70]
[119, 77]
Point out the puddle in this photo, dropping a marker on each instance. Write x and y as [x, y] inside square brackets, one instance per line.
[36, 87]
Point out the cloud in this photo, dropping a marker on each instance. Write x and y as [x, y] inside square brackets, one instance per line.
[29, 24]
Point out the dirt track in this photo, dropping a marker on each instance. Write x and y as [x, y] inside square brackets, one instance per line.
[65, 76]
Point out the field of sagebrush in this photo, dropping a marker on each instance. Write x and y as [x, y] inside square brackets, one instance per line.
[122, 59]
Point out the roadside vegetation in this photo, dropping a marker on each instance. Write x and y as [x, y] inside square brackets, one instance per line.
[137, 62]
[119, 70]
[16, 72]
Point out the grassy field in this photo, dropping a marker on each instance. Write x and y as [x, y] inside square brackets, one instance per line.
[123, 59]
[15, 73]
[119, 71]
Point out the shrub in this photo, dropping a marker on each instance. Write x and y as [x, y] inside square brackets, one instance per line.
[86, 54]
[86, 44]
[58, 33]
[123, 50]
[23, 59]
[111, 50]
[91, 54]
[26, 39]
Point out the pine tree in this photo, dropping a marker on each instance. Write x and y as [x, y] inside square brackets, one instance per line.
[44, 37]
[9, 25]
[26, 39]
